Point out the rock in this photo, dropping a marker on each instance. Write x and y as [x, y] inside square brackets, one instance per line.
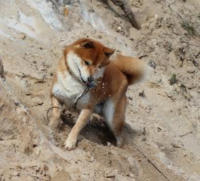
[130, 98]
[152, 64]
[37, 101]
[141, 94]
[191, 70]
[173, 79]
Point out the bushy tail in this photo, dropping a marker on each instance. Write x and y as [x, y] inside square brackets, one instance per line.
[133, 68]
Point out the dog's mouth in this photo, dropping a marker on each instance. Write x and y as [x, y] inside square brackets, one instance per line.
[90, 83]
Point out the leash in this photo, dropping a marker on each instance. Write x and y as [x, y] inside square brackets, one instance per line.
[79, 97]
[74, 104]
[47, 113]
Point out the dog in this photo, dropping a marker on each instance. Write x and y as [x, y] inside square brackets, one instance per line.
[87, 79]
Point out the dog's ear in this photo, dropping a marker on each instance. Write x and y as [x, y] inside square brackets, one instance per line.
[108, 52]
[87, 44]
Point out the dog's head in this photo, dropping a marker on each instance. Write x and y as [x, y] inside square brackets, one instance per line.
[86, 59]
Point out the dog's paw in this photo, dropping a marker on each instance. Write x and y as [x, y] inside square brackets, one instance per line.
[120, 141]
[70, 144]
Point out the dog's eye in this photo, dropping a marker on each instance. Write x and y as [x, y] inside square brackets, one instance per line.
[88, 45]
[87, 62]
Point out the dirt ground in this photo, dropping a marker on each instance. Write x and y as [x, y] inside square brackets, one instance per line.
[163, 115]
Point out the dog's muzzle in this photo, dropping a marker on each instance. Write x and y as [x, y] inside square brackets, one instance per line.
[91, 82]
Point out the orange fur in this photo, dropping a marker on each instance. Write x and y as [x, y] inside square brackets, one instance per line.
[91, 56]
[133, 68]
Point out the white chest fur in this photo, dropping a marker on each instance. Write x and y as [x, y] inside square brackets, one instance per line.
[68, 89]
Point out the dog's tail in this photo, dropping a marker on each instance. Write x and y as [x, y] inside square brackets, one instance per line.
[133, 68]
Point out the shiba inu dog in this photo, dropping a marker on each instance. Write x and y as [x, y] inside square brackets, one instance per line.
[87, 79]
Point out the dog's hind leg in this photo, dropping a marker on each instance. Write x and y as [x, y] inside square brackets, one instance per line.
[114, 113]
[119, 120]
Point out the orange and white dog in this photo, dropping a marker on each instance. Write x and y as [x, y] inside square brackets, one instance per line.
[86, 78]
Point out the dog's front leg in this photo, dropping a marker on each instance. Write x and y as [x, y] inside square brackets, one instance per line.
[56, 112]
[81, 122]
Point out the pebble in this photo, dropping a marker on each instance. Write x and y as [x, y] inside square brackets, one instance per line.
[37, 101]
[141, 94]
[152, 64]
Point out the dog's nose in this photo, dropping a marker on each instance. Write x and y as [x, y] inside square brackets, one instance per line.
[91, 82]
[90, 79]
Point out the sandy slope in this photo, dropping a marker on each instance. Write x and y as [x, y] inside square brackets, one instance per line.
[163, 126]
